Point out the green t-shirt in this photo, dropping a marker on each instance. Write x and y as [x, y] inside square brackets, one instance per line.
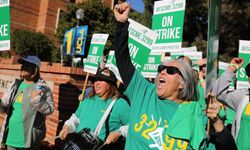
[244, 132]
[202, 99]
[152, 120]
[91, 110]
[15, 136]
[227, 115]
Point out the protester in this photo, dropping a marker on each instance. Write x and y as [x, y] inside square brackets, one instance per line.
[163, 115]
[91, 109]
[238, 100]
[27, 103]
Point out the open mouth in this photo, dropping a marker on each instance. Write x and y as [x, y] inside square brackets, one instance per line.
[161, 82]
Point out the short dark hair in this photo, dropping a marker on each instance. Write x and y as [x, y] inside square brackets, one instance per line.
[35, 71]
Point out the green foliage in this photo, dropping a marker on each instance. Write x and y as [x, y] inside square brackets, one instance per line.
[25, 42]
[234, 26]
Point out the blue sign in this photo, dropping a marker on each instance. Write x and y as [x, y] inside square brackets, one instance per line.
[80, 40]
[68, 41]
[74, 41]
[137, 5]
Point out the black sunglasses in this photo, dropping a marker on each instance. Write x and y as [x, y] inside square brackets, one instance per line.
[169, 69]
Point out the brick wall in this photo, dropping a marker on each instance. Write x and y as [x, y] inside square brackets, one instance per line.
[36, 15]
[66, 84]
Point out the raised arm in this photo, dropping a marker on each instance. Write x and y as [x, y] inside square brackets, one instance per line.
[231, 98]
[123, 60]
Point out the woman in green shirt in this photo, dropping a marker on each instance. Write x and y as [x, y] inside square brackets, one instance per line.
[165, 115]
[91, 110]
[28, 102]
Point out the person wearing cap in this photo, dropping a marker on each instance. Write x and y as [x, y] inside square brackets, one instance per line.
[238, 100]
[92, 108]
[164, 115]
[26, 104]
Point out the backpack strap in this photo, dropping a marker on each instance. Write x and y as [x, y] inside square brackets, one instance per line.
[104, 117]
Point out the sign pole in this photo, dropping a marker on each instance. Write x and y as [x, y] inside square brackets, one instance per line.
[85, 84]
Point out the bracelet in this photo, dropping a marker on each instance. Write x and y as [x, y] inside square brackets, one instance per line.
[234, 65]
[201, 81]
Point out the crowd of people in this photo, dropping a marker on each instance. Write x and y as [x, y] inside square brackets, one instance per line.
[169, 114]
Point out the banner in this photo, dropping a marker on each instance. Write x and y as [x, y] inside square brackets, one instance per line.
[74, 41]
[180, 52]
[194, 56]
[244, 52]
[97, 45]
[213, 43]
[5, 25]
[68, 41]
[150, 68]
[81, 37]
[141, 40]
[167, 22]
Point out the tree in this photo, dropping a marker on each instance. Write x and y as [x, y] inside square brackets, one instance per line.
[25, 42]
[99, 18]
[234, 26]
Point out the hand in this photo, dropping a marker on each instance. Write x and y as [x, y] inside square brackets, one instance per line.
[213, 109]
[122, 11]
[80, 97]
[35, 93]
[64, 132]
[236, 63]
[113, 137]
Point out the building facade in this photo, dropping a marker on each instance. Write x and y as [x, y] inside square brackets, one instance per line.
[41, 15]
[36, 15]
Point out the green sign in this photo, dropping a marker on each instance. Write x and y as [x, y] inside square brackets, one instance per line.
[150, 68]
[111, 64]
[5, 25]
[141, 40]
[179, 52]
[194, 56]
[95, 52]
[167, 22]
[213, 43]
[244, 52]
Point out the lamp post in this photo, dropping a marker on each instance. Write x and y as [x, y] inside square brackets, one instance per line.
[79, 16]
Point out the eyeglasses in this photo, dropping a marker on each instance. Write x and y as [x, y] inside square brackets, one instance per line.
[169, 69]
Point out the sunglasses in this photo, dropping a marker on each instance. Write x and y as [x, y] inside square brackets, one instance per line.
[169, 69]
